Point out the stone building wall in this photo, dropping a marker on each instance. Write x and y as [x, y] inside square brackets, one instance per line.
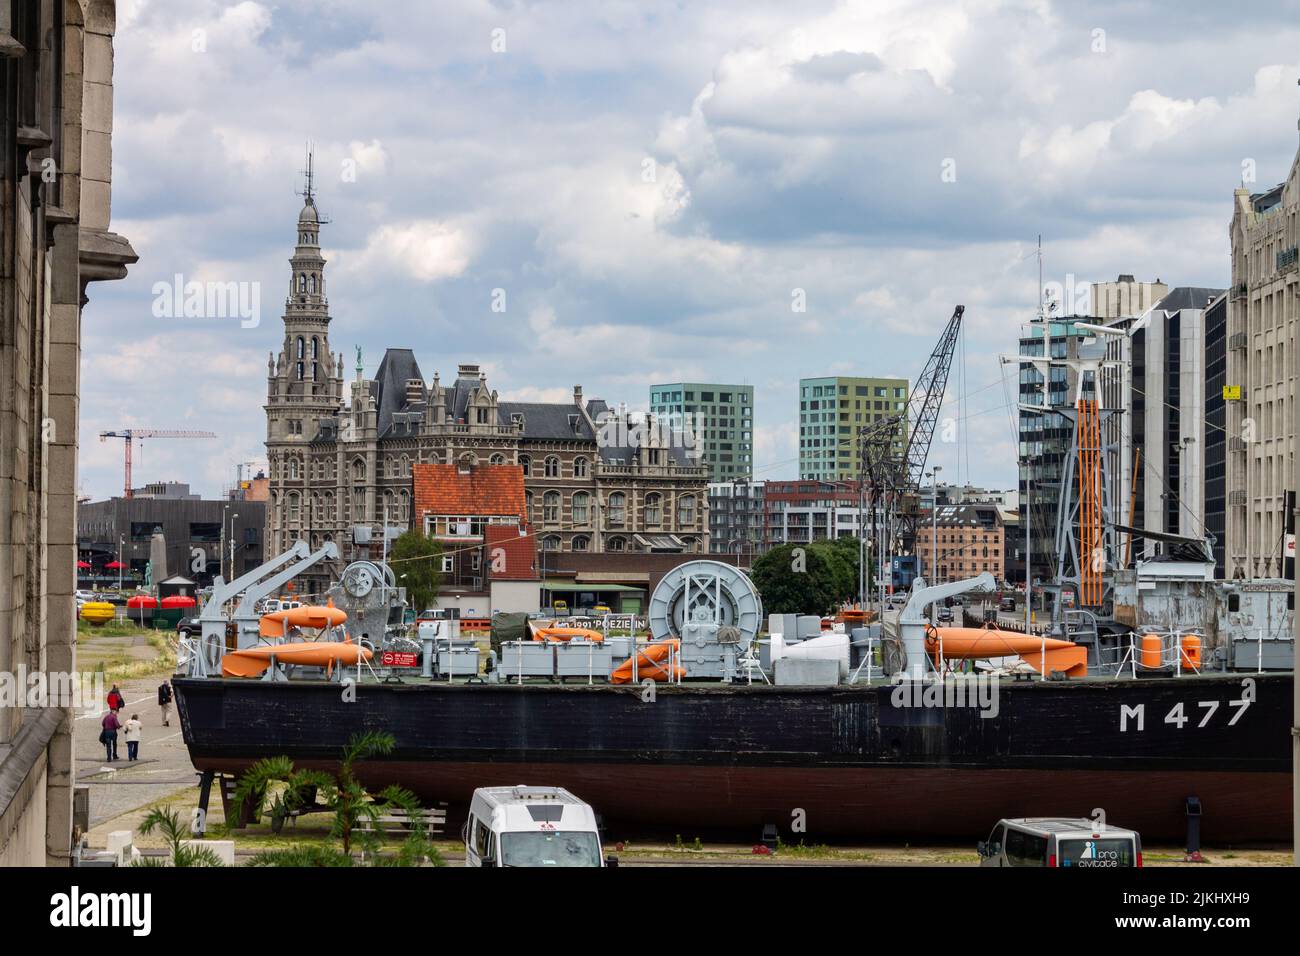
[56, 56]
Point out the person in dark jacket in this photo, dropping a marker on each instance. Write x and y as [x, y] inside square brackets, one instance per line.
[108, 736]
[165, 702]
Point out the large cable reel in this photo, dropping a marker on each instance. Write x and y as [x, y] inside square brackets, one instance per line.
[713, 609]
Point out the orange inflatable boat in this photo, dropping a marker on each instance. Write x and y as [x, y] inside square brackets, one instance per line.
[567, 634]
[277, 623]
[253, 661]
[651, 663]
[978, 643]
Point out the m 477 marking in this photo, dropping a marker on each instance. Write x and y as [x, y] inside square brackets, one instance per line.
[1180, 717]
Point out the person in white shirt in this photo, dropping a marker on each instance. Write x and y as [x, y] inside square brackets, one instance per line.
[133, 727]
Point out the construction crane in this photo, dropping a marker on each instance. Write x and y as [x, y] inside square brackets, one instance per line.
[892, 479]
[130, 434]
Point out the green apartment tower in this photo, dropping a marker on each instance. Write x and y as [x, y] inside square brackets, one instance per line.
[831, 410]
[724, 415]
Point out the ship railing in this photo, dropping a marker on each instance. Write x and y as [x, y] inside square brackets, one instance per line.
[1173, 655]
[749, 663]
[867, 662]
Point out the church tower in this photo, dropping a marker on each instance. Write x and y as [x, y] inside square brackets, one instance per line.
[304, 383]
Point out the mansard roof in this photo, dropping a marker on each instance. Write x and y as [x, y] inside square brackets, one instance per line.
[548, 421]
[395, 370]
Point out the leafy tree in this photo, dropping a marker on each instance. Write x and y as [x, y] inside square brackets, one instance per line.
[169, 822]
[791, 579]
[807, 579]
[419, 567]
[844, 556]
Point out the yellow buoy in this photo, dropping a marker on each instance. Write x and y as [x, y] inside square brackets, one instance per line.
[97, 612]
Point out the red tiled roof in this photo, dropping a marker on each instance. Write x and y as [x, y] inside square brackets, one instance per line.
[484, 490]
[511, 556]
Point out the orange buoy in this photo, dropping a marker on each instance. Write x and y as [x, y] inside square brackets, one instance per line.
[1191, 651]
[1151, 651]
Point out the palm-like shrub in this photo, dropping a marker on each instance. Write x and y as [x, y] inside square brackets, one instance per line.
[168, 821]
[357, 814]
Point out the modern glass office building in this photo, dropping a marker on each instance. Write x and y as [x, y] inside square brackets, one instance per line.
[724, 418]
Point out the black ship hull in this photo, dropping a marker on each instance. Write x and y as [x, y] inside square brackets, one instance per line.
[847, 762]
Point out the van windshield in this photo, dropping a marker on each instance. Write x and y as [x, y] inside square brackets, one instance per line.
[550, 848]
[1097, 853]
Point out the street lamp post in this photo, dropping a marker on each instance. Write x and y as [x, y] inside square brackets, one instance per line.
[121, 542]
[233, 519]
[934, 520]
[221, 548]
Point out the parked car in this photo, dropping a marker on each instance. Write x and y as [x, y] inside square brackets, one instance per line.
[945, 615]
[1060, 841]
[188, 627]
[1007, 604]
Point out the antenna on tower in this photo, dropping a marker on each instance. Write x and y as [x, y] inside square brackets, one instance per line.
[307, 192]
[309, 182]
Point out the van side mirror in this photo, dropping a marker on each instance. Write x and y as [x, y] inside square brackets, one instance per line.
[487, 863]
[982, 848]
[611, 860]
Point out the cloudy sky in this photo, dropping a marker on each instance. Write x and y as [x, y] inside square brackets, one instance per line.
[651, 183]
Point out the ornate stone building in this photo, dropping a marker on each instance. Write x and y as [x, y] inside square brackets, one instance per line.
[1262, 369]
[595, 478]
[56, 125]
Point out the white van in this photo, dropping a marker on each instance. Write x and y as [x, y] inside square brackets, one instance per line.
[531, 826]
[271, 605]
[1060, 841]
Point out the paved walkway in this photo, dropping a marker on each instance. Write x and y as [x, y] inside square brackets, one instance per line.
[120, 786]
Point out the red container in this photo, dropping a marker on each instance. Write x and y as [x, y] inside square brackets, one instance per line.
[142, 601]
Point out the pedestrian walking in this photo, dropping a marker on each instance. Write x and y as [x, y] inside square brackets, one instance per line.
[108, 735]
[132, 728]
[115, 699]
[165, 702]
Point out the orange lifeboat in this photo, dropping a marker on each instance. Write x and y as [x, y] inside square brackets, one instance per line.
[277, 623]
[253, 661]
[567, 634]
[651, 663]
[979, 643]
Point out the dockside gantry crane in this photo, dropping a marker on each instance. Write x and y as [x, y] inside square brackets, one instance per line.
[891, 481]
[130, 434]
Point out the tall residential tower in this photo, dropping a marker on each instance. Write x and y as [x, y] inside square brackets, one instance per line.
[723, 416]
[831, 410]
